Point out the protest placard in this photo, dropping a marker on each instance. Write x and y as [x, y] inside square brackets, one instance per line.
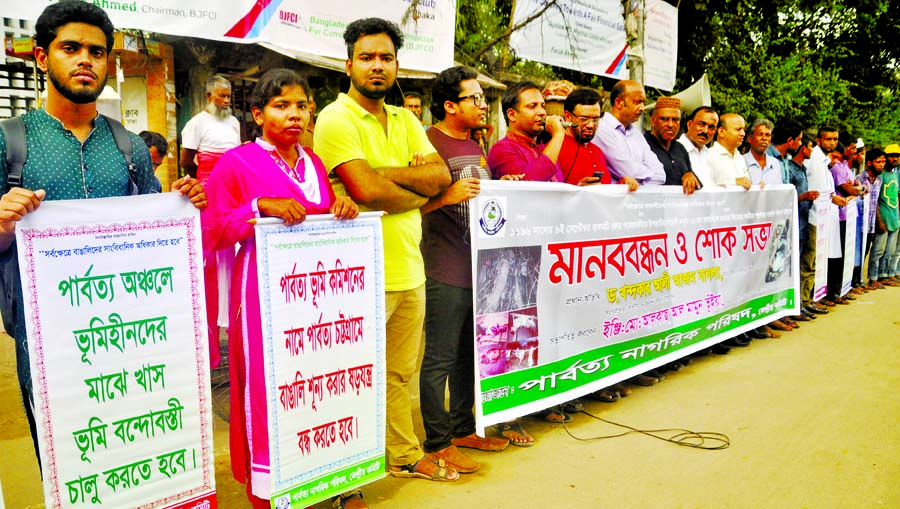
[116, 326]
[321, 289]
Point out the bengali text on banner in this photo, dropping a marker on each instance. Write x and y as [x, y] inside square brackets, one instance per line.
[579, 288]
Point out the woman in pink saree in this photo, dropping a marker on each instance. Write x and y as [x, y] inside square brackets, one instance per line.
[271, 177]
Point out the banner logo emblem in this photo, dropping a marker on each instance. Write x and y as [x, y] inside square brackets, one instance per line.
[492, 219]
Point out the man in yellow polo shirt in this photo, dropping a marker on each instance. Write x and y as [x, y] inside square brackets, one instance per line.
[379, 155]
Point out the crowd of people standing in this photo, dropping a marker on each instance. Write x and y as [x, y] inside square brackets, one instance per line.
[369, 155]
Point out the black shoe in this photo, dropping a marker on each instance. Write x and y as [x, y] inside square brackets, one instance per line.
[808, 314]
[758, 334]
[740, 340]
[720, 349]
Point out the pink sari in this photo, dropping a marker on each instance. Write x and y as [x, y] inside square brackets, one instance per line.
[242, 175]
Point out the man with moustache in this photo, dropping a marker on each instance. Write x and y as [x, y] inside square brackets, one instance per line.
[378, 154]
[211, 133]
[701, 127]
[725, 162]
[459, 106]
[71, 151]
[579, 159]
[627, 152]
[519, 152]
[665, 122]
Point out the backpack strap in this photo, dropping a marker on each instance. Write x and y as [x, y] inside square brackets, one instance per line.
[123, 141]
[16, 149]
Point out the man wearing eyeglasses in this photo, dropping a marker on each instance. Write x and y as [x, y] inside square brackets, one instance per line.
[459, 106]
[666, 121]
[519, 153]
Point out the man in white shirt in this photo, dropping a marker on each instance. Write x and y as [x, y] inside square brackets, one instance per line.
[204, 139]
[210, 133]
[726, 163]
[821, 180]
[701, 127]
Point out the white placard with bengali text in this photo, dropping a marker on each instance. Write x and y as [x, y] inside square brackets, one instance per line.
[322, 311]
[116, 323]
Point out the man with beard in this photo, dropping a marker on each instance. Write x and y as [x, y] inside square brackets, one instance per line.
[820, 180]
[204, 139]
[71, 151]
[579, 159]
[459, 107]
[378, 154]
[627, 152]
[519, 153]
[211, 133]
[701, 126]
[665, 121]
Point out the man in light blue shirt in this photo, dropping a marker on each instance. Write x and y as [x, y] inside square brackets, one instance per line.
[763, 167]
[626, 149]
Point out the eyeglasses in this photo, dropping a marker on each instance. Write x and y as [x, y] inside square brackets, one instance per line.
[587, 120]
[477, 98]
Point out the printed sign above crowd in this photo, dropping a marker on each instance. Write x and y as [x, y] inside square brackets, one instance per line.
[306, 25]
[590, 37]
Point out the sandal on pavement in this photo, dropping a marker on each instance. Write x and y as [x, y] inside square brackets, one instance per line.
[572, 407]
[474, 441]
[604, 395]
[621, 390]
[439, 471]
[515, 433]
[350, 500]
[554, 415]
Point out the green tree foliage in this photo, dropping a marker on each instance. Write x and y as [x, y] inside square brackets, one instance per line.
[819, 61]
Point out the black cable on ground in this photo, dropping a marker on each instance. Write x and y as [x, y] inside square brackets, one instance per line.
[706, 440]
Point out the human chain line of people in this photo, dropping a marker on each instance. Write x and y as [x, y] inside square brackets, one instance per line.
[373, 156]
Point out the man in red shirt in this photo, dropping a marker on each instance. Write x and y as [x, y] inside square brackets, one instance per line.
[580, 160]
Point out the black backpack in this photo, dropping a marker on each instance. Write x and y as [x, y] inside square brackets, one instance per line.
[16, 154]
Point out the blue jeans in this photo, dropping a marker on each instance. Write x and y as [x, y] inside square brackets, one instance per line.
[882, 253]
[449, 354]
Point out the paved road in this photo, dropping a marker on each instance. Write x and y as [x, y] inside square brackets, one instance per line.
[811, 417]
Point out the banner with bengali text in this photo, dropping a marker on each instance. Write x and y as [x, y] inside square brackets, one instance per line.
[849, 247]
[322, 306]
[589, 36]
[579, 288]
[308, 26]
[116, 324]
